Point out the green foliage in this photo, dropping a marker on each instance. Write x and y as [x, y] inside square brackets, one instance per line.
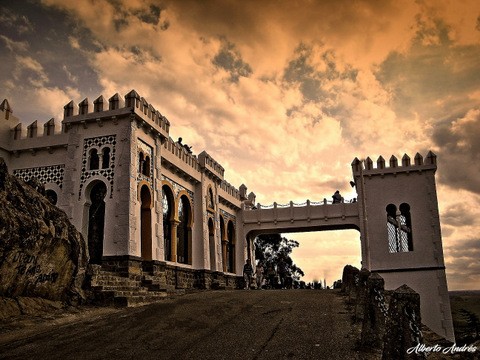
[473, 322]
[270, 248]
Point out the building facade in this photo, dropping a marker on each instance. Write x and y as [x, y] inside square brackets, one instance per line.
[137, 196]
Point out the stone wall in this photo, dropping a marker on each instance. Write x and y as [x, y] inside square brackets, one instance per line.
[41, 253]
[167, 276]
[390, 320]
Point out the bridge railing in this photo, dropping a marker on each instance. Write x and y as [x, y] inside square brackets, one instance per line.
[293, 204]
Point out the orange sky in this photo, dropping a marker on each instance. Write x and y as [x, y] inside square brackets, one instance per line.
[284, 94]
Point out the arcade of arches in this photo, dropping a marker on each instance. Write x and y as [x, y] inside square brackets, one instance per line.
[177, 224]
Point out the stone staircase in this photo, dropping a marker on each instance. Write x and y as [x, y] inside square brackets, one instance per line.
[110, 288]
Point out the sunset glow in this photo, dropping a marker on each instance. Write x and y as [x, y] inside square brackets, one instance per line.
[283, 94]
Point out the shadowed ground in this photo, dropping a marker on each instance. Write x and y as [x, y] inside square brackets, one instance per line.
[297, 324]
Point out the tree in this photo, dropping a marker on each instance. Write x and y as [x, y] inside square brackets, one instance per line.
[270, 248]
[473, 323]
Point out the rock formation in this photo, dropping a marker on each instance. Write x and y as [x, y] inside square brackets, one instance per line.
[41, 253]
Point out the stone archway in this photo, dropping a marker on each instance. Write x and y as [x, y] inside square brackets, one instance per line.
[168, 205]
[96, 222]
[146, 223]
[184, 231]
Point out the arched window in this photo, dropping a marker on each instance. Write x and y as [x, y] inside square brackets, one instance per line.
[105, 158]
[93, 160]
[167, 205]
[51, 196]
[183, 230]
[146, 223]
[399, 228]
[146, 166]
[231, 247]
[211, 244]
[406, 225]
[141, 160]
[210, 199]
[96, 222]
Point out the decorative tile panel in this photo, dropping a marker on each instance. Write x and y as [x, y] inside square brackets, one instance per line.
[98, 143]
[45, 174]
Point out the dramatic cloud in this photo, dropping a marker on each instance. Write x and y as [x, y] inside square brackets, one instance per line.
[459, 147]
[231, 61]
[463, 265]
[283, 94]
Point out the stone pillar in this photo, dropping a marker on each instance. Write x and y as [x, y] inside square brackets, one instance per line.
[173, 255]
[224, 255]
[360, 294]
[375, 313]
[349, 277]
[403, 329]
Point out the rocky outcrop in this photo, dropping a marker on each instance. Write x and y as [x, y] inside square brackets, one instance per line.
[41, 253]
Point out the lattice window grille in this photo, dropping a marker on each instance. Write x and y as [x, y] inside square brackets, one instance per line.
[397, 234]
[45, 174]
[109, 173]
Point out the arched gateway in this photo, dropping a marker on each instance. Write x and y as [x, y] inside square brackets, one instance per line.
[396, 214]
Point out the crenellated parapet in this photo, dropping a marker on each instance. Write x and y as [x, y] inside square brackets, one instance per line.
[230, 190]
[367, 166]
[175, 156]
[229, 196]
[33, 138]
[49, 129]
[211, 167]
[100, 110]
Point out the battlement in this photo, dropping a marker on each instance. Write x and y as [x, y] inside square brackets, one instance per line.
[211, 166]
[366, 167]
[179, 156]
[31, 131]
[99, 111]
[230, 189]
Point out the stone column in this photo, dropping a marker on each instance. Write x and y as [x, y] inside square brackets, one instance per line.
[349, 278]
[224, 254]
[375, 313]
[403, 328]
[173, 255]
[361, 293]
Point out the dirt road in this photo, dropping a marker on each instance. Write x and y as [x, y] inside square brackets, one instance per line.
[296, 324]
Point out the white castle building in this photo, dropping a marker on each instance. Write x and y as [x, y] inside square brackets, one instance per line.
[145, 203]
[133, 192]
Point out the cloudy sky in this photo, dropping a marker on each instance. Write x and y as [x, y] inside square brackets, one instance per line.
[284, 94]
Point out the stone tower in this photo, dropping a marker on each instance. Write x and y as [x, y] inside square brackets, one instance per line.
[400, 231]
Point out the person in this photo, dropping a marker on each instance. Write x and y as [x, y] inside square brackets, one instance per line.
[282, 272]
[247, 273]
[259, 274]
[271, 274]
[337, 198]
